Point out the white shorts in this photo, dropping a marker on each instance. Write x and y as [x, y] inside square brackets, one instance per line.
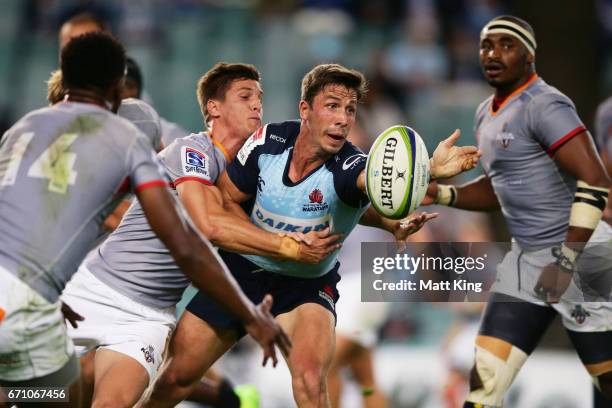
[518, 274]
[357, 320]
[117, 322]
[33, 339]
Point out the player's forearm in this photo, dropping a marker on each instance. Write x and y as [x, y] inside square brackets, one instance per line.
[237, 235]
[477, 195]
[371, 218]
[587, 210]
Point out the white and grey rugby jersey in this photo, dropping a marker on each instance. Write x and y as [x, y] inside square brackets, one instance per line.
[518, 142]
[132, 260]
[63, 169]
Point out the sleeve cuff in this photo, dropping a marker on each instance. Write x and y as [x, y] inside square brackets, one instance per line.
[198, 179]
[148, 184]
[551, 150]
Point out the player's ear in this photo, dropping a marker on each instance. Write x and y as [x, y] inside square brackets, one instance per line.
[212, 106]
[304, 107]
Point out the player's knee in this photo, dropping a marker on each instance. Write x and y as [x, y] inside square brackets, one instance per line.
[604, 383]
[491, 376]
[308, 382]
[173, 384]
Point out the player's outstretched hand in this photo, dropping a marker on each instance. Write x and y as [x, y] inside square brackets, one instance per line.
[552, 283]
[449, 160]
[267, 332]
[71, 316]
[411, 224]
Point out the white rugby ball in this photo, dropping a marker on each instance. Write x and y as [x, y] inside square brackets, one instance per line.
[397, 172]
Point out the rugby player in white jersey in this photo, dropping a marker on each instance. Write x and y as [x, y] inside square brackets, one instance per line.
[297, 176]
[128, 288]
[62, 170]
[542, 170]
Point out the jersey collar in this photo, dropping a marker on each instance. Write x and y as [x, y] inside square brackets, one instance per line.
[512, 95]
[218, 144]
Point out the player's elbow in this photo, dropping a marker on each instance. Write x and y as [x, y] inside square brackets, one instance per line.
[214, 233]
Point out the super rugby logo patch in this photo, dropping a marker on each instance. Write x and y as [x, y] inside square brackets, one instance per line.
[257, 139]
[195, 163]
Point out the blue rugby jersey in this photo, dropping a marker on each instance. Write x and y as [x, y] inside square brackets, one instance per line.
[328, 196]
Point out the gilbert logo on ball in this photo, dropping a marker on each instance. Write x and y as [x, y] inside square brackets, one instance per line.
[397, 172]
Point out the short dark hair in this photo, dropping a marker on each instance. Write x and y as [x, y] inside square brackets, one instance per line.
[134, 74]
[331, 74]
[92, 60]
[217, 80]
[86, 18]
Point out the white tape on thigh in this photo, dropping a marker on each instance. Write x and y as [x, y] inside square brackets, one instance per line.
[496, 375]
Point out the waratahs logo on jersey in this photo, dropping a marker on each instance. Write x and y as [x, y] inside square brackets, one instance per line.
[276, 222]
[316, 202]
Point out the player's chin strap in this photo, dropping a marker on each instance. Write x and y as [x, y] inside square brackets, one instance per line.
[587, 210]
[447, 195]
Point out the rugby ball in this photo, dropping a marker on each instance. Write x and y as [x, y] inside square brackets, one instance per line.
[397, 172]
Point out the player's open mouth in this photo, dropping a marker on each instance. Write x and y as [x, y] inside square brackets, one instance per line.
[493, 70]
[337, 137]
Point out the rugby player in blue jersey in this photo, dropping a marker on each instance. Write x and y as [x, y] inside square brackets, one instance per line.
[543, 172]
[294, 177]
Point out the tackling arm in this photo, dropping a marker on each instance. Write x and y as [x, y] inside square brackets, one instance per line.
[217, 212]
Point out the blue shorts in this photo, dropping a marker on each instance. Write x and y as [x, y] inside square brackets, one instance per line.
[288, 292]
